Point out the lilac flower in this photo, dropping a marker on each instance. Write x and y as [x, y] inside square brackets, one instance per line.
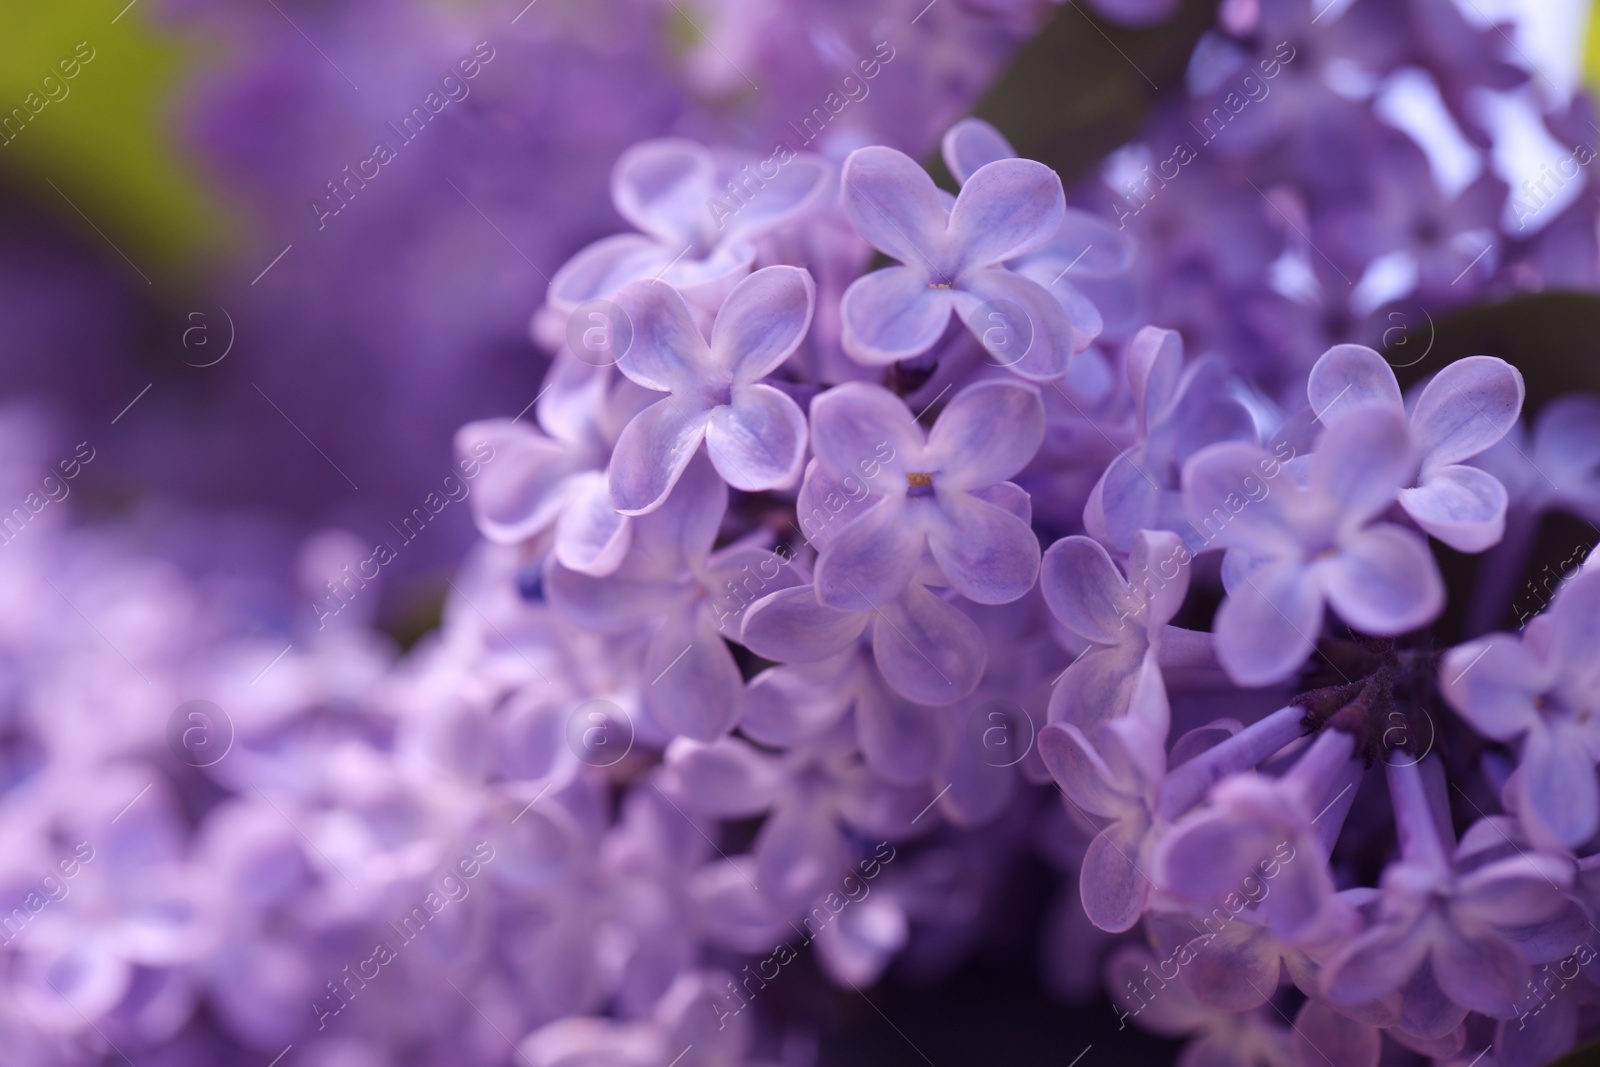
[1123, 619]
[756, 434]
[1466, 408]
[1450, 928]
[811, 794]
[925, 646]
[1558, 465]
[952, 256]
[944, 492]
[1542, 687]
[691, 237]
[669, 581]
[1115, 779]
[1256, 828]
[1293, 547]
[1082, 266]
[1177, 412]
[1168, 1008]
[556, 475]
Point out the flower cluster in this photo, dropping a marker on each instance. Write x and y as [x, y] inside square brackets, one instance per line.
[865, 537]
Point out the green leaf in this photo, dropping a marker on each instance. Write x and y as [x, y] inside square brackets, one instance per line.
[98, 149]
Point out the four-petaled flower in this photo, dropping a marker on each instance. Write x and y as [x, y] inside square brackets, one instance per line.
[944, 491]
[1544, 688]
[1467, 408]
[1292, 547]
[755, 433]
[953, 254]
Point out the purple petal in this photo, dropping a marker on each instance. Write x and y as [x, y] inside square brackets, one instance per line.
[1361, 461]
[989, 432]
[857, 427]
[1374, 964]
[1576, 616]
[1098, 686]
[893, 314]
[1039, 344]
[1466, 408]
[1493, 683]
[871, 559]
[681, 532]
[614, 604]
[1152, 553]
[694, 688]
[762, 322]
[1320, 1031]
[598, 271]
[662, 186]
[970, 144]
[1383, 581]
[757, 442]
[1113, 888]
[1155, 365]
[799, 854]
[1462, 506]
[988, 555]
[1087, 247]
[668, 352]
[893, 203]
[800, 184]
[1005, 209]
[1220, 502]
[1235, 965]
[1560, 800]
[1347, 377]
[1269, 624]
[525, 490]
[901, 742]
[1483, 974]
[927, 649]
[785, 705]
[792, 626]
[652, 453]
[726, 779]
[1084, 589]
[592, 537]
[979, 791]
[1130, 499]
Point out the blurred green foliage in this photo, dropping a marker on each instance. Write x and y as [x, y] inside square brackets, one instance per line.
[109, 144]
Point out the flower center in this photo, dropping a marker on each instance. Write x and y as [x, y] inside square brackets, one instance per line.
[938, 285]
[919, 483]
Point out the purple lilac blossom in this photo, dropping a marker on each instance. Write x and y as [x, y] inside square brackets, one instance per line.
[581, 822]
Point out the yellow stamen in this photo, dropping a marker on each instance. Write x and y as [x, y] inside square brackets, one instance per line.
[919, 480]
